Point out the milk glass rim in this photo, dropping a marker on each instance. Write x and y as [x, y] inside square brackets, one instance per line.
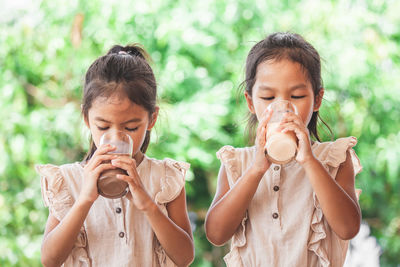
[130, 144]
[269, 107]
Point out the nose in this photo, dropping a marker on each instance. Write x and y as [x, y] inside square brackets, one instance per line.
[284, 98]
[116, 129]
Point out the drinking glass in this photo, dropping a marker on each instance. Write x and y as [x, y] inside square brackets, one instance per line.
[280, 148]
[108, 184]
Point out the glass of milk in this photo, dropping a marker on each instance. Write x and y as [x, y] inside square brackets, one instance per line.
[280, 148]
[108, 184]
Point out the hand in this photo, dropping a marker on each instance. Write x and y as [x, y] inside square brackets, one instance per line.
[292, 122]
[261, 163]
[137, 193]
[92, 171]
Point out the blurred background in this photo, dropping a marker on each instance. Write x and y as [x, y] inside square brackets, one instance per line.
[198, 50]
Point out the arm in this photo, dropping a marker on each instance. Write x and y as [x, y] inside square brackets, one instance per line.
[173, 231]
[336, 197]
[229, 205]
[60, 236]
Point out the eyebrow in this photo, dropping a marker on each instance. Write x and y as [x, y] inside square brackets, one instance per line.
[298, 86]
[104, 120]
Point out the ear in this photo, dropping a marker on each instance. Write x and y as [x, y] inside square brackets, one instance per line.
[86, 120]
[154, 117]
[249, 101]
[318, 99]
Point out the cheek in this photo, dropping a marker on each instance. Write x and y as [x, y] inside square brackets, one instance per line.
[138, 139]
[306, 112]
[95, 136]
[260, 107]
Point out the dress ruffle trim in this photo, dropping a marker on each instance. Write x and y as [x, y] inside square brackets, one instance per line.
[173, 181]
[55, 192]
[57, 197]
[162, 256]
[318, 234]
[227, 156]
[233, 259]
[332, 155]
[335, 153]
[239, 240]
[79, 256]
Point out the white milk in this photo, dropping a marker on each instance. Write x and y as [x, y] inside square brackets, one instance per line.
[280, 147]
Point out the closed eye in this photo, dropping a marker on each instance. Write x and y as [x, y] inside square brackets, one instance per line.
[268, 98]
[102, 128]
[132, 129]
[297, 96]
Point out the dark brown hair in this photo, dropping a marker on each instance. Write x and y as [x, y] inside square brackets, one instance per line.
[125, 71]
[293, 47]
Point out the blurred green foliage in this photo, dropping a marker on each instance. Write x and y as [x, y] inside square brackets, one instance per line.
[199, 49]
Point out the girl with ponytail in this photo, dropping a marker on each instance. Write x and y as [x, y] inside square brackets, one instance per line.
[149, 226]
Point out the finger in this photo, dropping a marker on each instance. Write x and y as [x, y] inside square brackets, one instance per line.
[292, 117]
[263, 140]
[132, 183]
[97, 160]
[263, 123]
[265, 117]
[288, 126]
[104, 149]
[127, 166]
[103, 167]
[300, 132]
[258, 134]
[127, 159]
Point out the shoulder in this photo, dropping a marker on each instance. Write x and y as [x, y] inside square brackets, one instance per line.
[56, 191]
[52, 172]
[170, 175]
[168, 166]
[234, 160]
[333, 154]
[229, 153]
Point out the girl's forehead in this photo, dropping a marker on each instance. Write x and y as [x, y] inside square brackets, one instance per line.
[281, 71]
[116, 106]
[272, 66]
[115, 98]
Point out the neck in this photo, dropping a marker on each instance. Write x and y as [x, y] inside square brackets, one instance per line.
[138, 157]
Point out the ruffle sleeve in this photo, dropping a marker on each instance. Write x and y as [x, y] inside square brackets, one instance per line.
[55, 191]
[56, 196]
[171, 186]
[331, 156]
[335, 153]
[227, 156]
[173, 181]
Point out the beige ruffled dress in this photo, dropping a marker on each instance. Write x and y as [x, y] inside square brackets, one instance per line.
[284, 224]
[114, 233]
